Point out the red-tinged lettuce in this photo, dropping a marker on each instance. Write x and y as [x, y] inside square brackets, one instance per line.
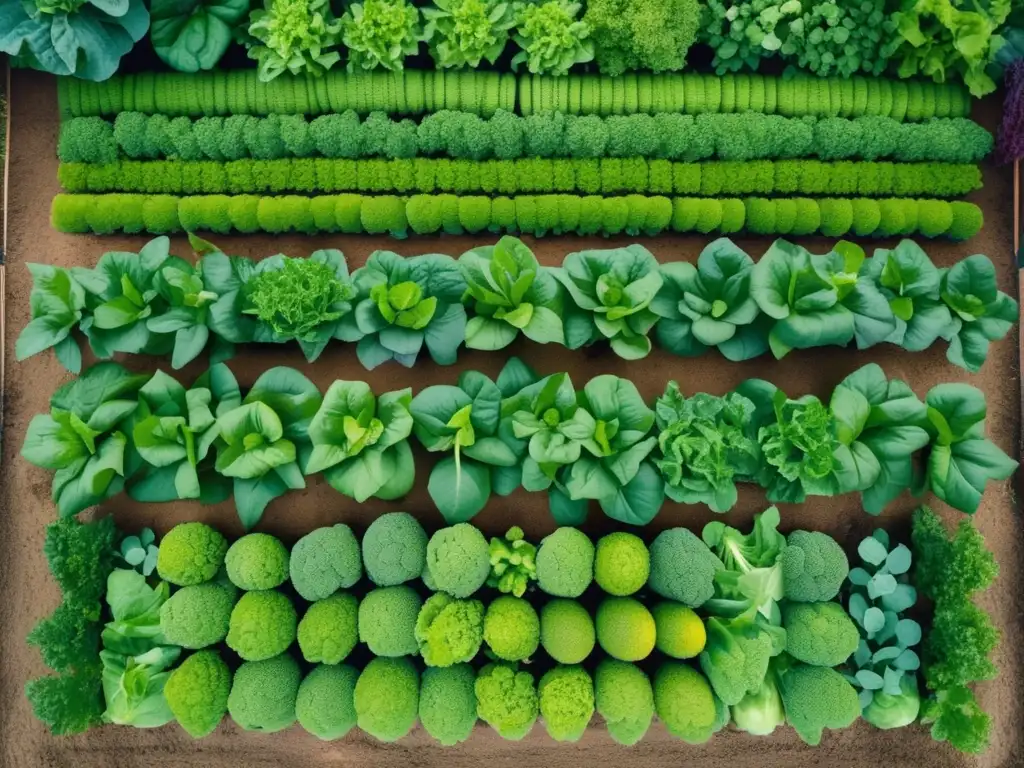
[981, 312]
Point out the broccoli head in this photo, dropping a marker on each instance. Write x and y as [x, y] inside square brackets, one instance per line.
[625, 629]
[448, 703]
[684, 703]
[190, 553]
[262, 625]
[325, 704]
[511, 628]
[325, 561]
[820, 634]
[387, 698]
[197, 616]
[815, 698]
[506, 700]
[683, 568]
[263, 694]
[387, 621]
[814, 567]
[625, 699]
[565, 563]
[566, 631]
[197, 693]
[449, 631]
[566, 701]
[621, 563]
[459, 560]
[735, 658]
[329, 630]
[394, 549]
[257, 561]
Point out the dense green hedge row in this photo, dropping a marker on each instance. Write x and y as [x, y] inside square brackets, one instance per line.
[535, 176]
[538, 215]
[415, 92]
[505, 136]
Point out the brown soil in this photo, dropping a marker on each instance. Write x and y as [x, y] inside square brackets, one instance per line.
[27, 593]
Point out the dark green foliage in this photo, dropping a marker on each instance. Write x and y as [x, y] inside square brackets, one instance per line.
[67, 704]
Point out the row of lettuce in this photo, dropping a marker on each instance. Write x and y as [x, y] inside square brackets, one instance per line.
[757, 629]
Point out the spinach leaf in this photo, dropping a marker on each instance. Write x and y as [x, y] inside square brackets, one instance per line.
[57, 300]
[981, 312]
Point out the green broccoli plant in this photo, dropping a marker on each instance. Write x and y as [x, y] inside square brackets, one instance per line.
[381, 33]
[296, 36]
[508, 292]
[140, 551]
[612, 291]
[883, 668]
[710, 305]
[404, 304]
[981, 312]
[193, 35]
[465, 421]
[84, 438]
[462, 33]
[551, 37]
[513, 562]
[814, 698]
[361, 442]
[705, 444]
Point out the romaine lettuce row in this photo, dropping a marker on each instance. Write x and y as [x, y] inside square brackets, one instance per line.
[981, 312]
[510, 292]
[404, 304]
[612, 291]
[85, 437]
[361, 442]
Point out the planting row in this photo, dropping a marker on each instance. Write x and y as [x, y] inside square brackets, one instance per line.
[608, 176]
[412, 92]
[759, 629]
[538, 215]
[157, 303]
[505, 136]
[110, 429]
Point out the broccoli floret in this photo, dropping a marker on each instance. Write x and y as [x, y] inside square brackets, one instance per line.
[197, 616]
[262, 625]
[737, 653]
[815, 698]
[506, 700]
[387, 621]
[565, 563]
[448, 703]
[459, 560]
[814, 567]
[325, 561]
[325, 704]
[566, 699]
[449, 631]
[190, 553]
[625, 699]
[263, 694]
[329, 630]
[684, 703]
[625, 629]
[679, 631]
[622, 564]
[683, 568]
[394, 549]
[820, 634]
[566, 631]
[257, 561]
[197, 693]
[387, 698]
[511, 628]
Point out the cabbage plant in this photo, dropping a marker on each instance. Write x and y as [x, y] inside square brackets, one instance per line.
[462, 33]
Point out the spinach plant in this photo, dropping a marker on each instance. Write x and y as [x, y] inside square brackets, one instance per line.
[186, 310]
[981, 312]
[57, 301]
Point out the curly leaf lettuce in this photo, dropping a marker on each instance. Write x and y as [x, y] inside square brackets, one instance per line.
[552, 38]
[462, 33]
[381, 33]
[296, 36]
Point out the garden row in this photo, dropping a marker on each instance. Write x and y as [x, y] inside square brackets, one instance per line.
[807, 642]
[111, 430]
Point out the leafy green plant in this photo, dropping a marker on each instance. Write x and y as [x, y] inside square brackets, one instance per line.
[381, 33]
[551, 37]
[654, 35]
[296, 36]
[508, 292]
[743, 33]
[58, 304]
[513, 562]
[613, 291]
[193, 35]
[981, 312]
[844, 38]
[140, 551]
[403, 305]
[461, 33]
[186, 304]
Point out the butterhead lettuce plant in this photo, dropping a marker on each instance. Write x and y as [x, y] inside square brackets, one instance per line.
[57, 301]
[461, 33]
[551, 37]
[381, 33]
[981, 312]
[296, 36]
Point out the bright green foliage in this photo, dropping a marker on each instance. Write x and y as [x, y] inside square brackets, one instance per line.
[263, 694]
[761, 712]
[296, 36]
[566, 631]
[191, 553]
[324, 561]
[263, 625]
[566, 702]
[682, 567]
[833, 37]
[58, 304]
[981, 313]
[194, 35]
[737, 654]
[257, 561]
[447, 708]
[458, 559]
[461, 33]
[948, 568]
[511, 629]
[380, 33]
[387, 621]
[743, 33]
[394, 549]
[551, 37]
[387, 698]
[449, 631]
[197, 693]
[565, 563]
[815, 698]
[329, 630]
[820, 634]
[507, 700]
[625, 629]
[621, 563]
[513, 562]
[325, 704]
[814, 567]
[654, 35]
[955, 716]
[197, 616]
[625, 699]
[685, 704]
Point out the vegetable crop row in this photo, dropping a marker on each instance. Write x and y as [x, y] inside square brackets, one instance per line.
[413, 92]
[608, 176]
[537, 215]
[505, 136]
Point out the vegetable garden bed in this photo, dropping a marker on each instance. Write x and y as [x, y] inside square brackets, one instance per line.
[25, 503]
